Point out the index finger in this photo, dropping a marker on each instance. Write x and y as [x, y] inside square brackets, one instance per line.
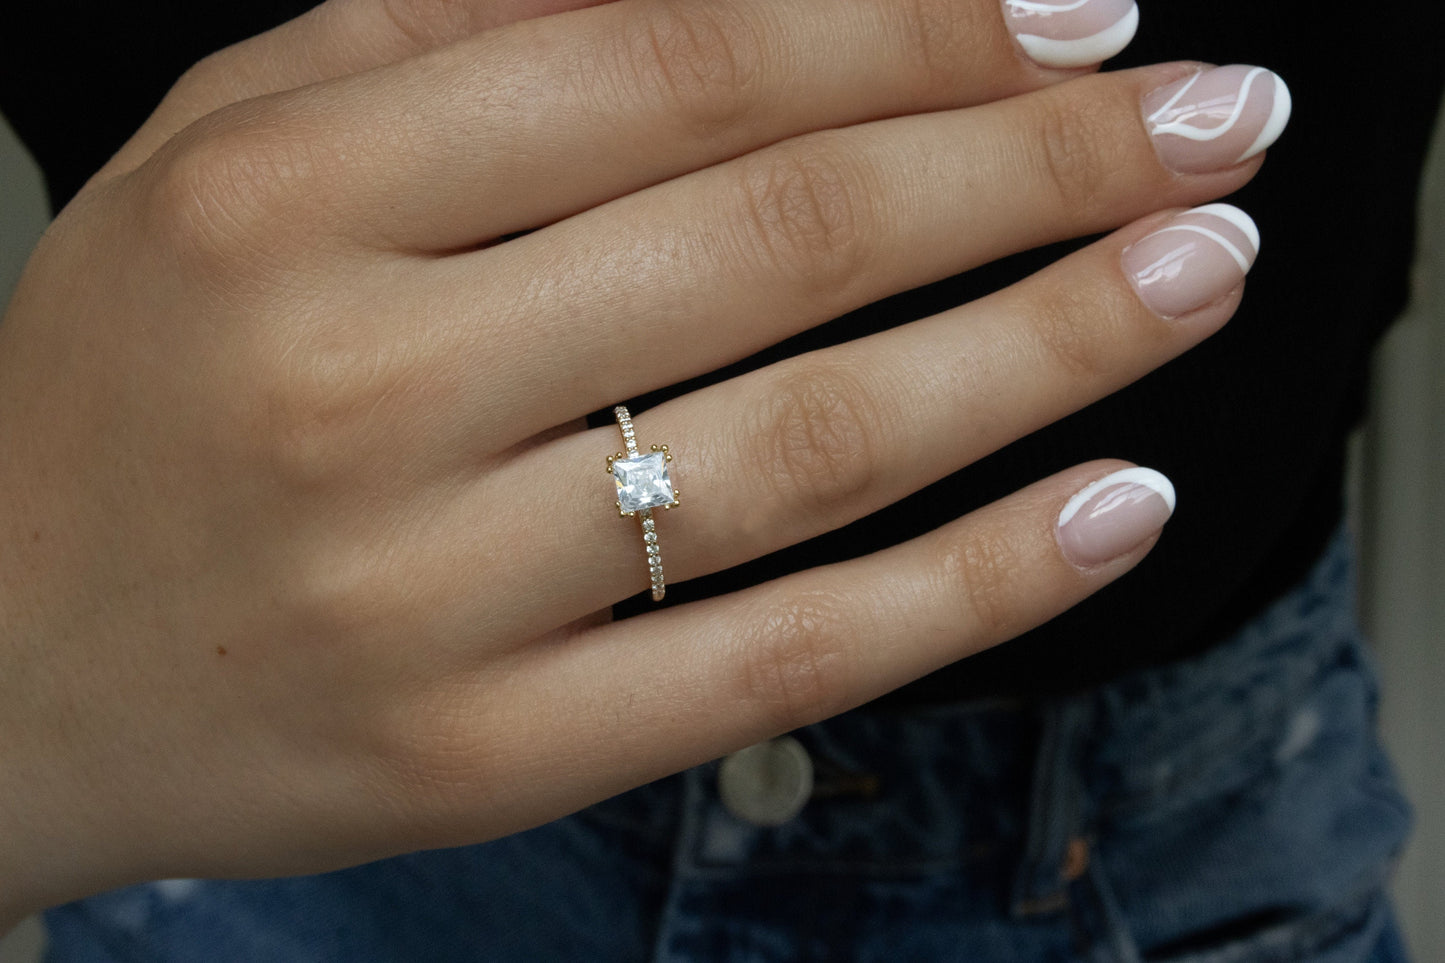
[337, 38]
[525, 125]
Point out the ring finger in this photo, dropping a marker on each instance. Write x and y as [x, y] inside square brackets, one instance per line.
[806, 445]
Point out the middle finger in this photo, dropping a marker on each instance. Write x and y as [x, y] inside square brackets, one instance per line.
[693, 274]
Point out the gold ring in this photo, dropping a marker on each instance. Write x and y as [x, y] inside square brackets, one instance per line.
[643, 483]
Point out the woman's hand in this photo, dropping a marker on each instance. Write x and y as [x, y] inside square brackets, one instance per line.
[309, 559]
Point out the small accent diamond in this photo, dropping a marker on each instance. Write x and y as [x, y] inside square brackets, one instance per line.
[643, 483]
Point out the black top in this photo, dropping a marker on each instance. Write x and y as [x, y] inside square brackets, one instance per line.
[1250, 426]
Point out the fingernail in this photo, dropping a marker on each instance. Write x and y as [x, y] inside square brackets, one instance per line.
[1113, 515]
[1071, 33]
[1195, 258]
[1216, 118]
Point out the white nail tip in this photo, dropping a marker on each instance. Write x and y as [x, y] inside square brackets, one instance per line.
[1235, 216]
[1147, 477]
[1034, 6]
[1093, 49]
[1274, 126]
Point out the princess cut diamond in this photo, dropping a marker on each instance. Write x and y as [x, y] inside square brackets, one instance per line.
[642, 482]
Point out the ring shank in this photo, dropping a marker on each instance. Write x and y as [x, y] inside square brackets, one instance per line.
[649, 525]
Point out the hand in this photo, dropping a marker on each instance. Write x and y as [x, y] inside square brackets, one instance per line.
[309, 558]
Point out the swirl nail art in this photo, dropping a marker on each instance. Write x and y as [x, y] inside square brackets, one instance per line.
[1114, 515]
[1217, 118]
[1196, 258]
[1071, 33]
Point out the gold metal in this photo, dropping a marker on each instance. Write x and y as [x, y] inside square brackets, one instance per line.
[654, 558]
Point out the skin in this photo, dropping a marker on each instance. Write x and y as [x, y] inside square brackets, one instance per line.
[309, 556]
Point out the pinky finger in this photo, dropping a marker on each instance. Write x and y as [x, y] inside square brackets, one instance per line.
[663, 691]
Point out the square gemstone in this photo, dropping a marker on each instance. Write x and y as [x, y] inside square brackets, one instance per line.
[642, 482]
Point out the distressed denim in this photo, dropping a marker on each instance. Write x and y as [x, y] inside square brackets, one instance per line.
[1234, 807]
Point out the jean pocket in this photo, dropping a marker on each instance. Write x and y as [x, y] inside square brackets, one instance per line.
[1287, 859]
[1346, 933]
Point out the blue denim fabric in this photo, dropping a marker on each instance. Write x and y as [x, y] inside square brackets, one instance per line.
[1235, 807]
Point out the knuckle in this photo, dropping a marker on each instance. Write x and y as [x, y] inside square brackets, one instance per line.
[702, 59]
[436, 759]
[814, 438]
[336, 593]
[1072, 329]
[940, 36]
[424, 24]
[205, 74]
[225, 195]
[195, 195]
[983, 571]
[1073, 137]
[796, 665]
[318, 404]
[339, 593]
[804, 210]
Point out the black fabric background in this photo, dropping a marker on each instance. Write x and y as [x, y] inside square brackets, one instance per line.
[1250, 426]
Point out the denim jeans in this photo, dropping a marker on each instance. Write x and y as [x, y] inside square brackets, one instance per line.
[1235, 807]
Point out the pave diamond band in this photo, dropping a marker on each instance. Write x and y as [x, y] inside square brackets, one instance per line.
[643, 483]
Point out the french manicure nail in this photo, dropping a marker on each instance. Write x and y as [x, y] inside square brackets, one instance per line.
[1216, 118]
[1195, 258]
[1113, 515]
[1071, 33]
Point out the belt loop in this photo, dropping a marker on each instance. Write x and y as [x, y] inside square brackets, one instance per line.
[1056, 845]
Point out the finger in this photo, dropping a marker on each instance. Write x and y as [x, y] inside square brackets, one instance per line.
[694, 274]
[804, 446]
[657, 693]
[524, 125]
[337, 38]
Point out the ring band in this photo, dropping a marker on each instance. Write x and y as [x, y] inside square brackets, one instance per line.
[643, 483]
